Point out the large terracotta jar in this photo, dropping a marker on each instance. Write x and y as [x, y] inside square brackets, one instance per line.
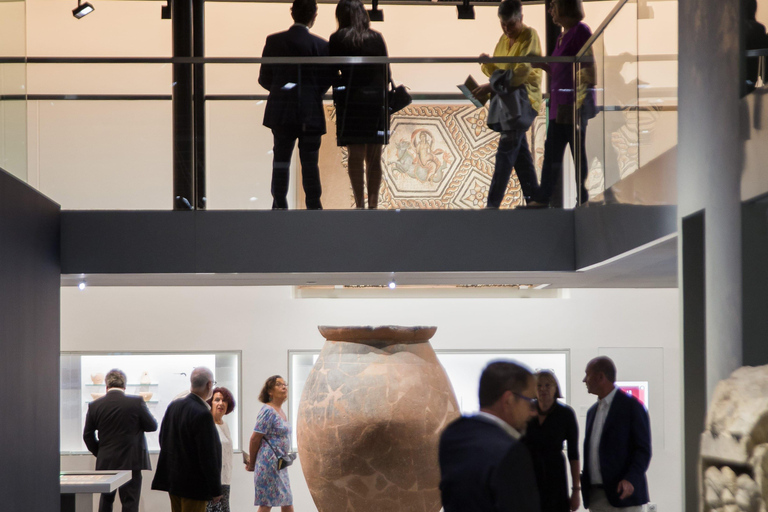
[370, 419]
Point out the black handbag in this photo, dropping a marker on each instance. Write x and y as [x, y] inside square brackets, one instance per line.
[284, 461]
[398, 97]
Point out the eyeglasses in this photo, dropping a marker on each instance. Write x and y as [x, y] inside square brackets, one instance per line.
[532, 402]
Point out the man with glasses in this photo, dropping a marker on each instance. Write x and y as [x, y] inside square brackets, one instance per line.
[483, 466]
[617, 445]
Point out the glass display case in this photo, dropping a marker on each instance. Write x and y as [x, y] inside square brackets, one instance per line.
[158, 378]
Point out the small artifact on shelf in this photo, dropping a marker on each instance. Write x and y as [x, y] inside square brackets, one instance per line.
[97, 378]
[146, 395]
[145, 378]
[96, 396]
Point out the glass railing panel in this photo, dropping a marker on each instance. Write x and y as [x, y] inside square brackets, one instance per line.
[13, 119]
[239, 156]
[102, 134]
[657, 100]
[613, 135]
[124, 79]
[440, 153]
[636, 127]
[13, 89]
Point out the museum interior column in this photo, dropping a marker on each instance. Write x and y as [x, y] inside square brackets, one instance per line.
[709, 166]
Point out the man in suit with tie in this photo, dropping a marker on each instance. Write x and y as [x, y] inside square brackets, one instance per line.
[483, 466]
[617, 445]
[189, 465]
[121, 422]
[294, 108]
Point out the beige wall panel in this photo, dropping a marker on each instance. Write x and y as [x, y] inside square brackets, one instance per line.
[114, 29]
[239, 157]
[127, 79]
[13, 28]
[105, 154]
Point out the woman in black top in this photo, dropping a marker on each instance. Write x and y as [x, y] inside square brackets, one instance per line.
[544, 436]
[360, 96]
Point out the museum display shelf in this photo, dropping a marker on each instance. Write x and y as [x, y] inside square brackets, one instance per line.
[159, 378]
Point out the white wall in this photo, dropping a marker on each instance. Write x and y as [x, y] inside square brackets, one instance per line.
[639, 328]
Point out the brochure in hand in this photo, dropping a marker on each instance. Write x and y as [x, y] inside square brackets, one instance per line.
[469, 85]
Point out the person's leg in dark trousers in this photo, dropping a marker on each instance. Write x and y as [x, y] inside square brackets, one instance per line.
[526, 171]
[131, 492]
[584, 197]
[509, 145]
[373, 173]
[551, 190]
[106, 501]
[309, 154]
[284, 140]
[355, 166]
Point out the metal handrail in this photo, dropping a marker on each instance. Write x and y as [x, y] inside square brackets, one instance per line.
[284, 60]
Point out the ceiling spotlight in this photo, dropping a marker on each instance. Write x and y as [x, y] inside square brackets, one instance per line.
[81, 286]
[466, 11]
[82, 10]
[374, 13]
[392, 285]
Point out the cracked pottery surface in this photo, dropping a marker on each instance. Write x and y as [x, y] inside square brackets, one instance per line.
[370, 419]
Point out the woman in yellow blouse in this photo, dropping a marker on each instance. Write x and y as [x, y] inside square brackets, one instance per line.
[517, 40]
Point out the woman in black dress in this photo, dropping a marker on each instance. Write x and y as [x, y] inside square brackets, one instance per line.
[544, 436]
[360, 96]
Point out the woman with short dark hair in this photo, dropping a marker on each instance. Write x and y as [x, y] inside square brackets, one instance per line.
[360, 97]
[270, 441]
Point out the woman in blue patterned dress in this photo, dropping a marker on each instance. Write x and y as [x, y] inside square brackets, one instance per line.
[271, 439]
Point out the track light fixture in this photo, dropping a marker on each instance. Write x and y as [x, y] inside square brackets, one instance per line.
[374, 13]
[82, 10]
[466, 11]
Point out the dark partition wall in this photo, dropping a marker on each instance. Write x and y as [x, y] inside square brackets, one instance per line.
[29, 348]
[754, 233]
[694, 353]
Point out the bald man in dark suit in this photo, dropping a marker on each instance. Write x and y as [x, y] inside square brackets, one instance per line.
[121, 422]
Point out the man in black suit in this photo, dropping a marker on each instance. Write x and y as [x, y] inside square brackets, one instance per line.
[121, 421]
[617, 445]
[295, 105]
[189, 466]
[483, 466]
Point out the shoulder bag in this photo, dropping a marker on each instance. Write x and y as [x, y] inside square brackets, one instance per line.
[282, 461]
[398, 97]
